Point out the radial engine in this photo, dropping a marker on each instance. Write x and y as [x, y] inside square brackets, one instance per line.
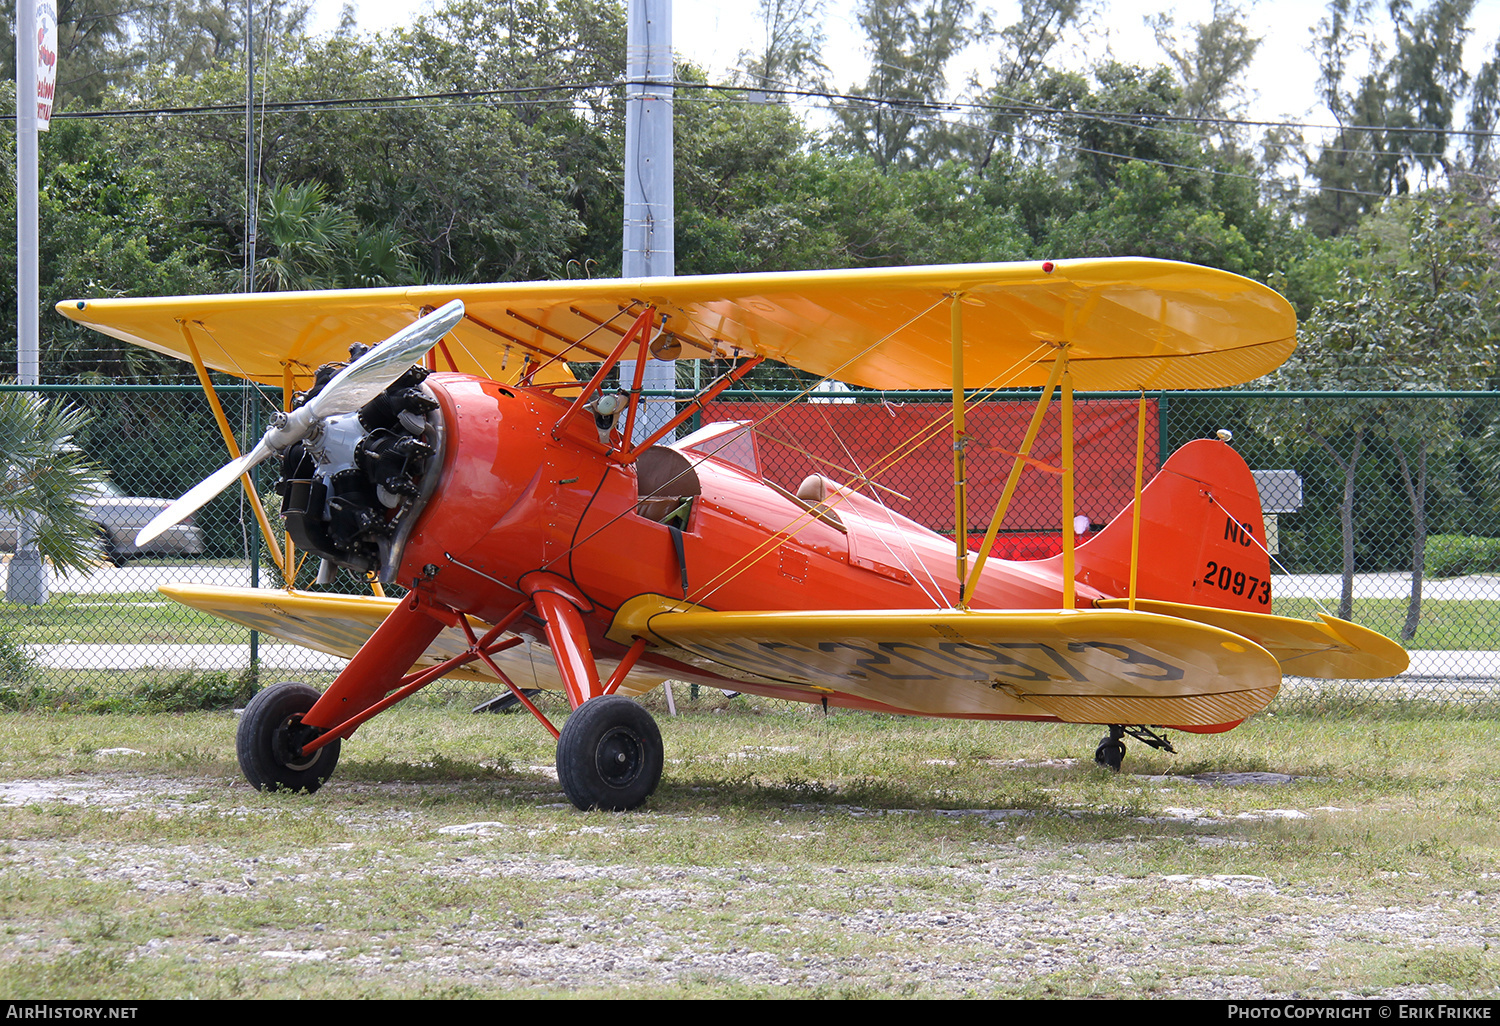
[352, 489]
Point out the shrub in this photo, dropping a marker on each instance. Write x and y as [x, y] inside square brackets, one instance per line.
[1449, 555]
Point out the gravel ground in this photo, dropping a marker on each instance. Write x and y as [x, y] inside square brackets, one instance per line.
[1002, 925]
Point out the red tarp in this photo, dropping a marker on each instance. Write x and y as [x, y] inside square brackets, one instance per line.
[860, 436]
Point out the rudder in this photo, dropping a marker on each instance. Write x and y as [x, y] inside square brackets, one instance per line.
[1203, 537]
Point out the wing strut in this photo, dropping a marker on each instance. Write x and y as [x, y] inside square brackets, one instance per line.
[234, 452]
[695, 406]
[641, 329]
[1022, 458]
[1135, 514]
[1070, 598]
[960, 468]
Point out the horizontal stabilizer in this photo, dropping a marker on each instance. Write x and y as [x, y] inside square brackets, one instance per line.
[1332, 650]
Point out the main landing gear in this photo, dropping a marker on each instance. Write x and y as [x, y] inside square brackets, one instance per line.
[271, 735]
[1111, 751]
[609, 755]
[609, 752]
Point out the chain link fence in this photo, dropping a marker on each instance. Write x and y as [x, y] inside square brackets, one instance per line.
[1381, 507]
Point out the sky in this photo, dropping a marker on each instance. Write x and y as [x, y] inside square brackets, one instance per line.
[1281, 82]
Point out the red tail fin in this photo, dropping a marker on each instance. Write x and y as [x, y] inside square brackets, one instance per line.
[1202, 536]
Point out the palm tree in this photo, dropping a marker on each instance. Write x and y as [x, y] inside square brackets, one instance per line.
[314, 243]
[44, 474]
[308, 237]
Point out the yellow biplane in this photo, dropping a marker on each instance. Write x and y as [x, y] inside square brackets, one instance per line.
[462, 460]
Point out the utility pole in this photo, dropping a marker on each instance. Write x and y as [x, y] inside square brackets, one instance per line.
[26, 579]
[252, 229]
[649, 237]
[252, 194]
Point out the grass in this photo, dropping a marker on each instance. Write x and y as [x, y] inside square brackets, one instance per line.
[785, 854]
[127, 618]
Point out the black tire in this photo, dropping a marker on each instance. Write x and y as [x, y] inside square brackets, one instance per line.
[609, 755]
[107, 550]
[270, 732]
[1110, 754]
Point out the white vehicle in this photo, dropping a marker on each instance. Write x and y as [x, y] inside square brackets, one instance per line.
[119, 517]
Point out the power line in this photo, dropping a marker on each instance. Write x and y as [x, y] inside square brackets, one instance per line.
[1012, 106]
[357, 103]
[920, 109]
[1029, 107]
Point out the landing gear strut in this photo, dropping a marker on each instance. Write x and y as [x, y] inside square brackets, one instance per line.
[1111, 751]
[609, 755]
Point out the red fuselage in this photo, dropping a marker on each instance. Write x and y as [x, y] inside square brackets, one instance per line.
[517, 504]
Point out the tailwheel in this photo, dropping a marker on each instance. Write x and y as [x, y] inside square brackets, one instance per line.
[1111, 752]
[609, 755]
[270, 738]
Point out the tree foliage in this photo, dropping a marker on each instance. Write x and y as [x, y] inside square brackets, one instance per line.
[45, 476]
[790, 51]
[910, 43]
[1416, 312]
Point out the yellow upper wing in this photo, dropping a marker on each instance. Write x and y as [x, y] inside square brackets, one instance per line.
[1130, 323]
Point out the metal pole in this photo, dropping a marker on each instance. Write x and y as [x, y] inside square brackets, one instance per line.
[251, 214]
[255, 432]
[251, 221]
[649, 233]
[26, 580]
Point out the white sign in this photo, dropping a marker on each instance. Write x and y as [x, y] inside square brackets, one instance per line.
[46, 62]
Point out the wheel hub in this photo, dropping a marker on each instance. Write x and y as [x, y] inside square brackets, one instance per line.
[618, 757]
[286, 744]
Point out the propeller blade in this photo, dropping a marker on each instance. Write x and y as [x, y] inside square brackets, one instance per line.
[350, 389]
[368, 376]
[198, 495]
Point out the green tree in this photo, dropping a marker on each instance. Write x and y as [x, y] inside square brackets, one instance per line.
[752, 196]
[1009, 104]
[44, 475]
[92, 47]
[790, 53]
[1146, 215]
[1416, 313]
[910, 43]
[1395, 116]
[1211, 63]
[1479, 177]
[466, 190]
[191, 36]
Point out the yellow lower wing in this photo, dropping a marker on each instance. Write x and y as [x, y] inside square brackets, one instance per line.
[340, 624]
[1332, 650]
[1080, 666]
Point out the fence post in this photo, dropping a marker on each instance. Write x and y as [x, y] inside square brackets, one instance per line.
[1162, 439]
